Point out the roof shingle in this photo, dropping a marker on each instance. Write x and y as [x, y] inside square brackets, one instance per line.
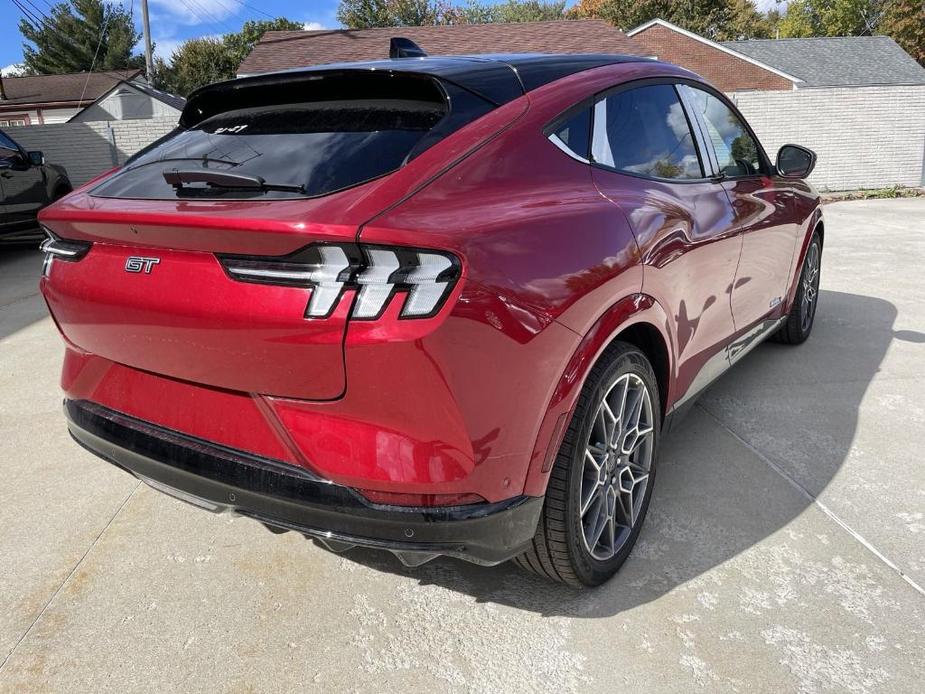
[281, 50]
[837, 60]
[72, 87]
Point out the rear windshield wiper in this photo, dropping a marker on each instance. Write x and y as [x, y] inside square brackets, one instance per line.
[228, 181]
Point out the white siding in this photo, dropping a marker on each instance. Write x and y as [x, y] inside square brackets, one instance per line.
[865, 137]
[89, 149]
[127, 103]
[56, 115]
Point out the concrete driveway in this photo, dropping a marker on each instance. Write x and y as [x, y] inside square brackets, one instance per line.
[784, 549]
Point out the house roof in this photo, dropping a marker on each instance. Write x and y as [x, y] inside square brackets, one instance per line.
[172, 100]
[724, 47]
[836, 61]
[68, 89]
[280, 50]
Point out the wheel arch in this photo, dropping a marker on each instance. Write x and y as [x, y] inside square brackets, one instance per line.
[637, 319]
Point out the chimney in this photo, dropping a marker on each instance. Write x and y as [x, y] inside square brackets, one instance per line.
[2, 92]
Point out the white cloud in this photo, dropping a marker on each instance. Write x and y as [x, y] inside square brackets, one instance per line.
[313, 26]
[13, 70]
[195, 12]
[164, 48]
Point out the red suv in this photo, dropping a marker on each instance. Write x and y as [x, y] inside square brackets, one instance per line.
[438, 306]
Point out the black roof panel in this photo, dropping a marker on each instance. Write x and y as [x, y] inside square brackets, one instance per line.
[498, 78]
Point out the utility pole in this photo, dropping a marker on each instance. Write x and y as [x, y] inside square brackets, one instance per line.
[149, 57]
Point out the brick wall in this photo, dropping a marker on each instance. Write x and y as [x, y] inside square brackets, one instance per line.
[725, 71]
[88, 149]
[865, 137]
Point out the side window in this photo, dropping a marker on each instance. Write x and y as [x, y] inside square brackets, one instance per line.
[645, 131]
[736, 150]
[8, 149]
[574, 135]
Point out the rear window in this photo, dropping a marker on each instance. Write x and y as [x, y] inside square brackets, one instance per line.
[303, 149]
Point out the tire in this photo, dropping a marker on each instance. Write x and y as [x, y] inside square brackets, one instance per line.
[564, 548]
[799, 323]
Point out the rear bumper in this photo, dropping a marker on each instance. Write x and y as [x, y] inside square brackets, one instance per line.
[221, 479]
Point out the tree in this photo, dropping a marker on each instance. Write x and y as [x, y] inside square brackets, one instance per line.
[719, 20]
[805, 18]
[904, 22]
[195, 63]
[79, 36]
[242, 42]
[526, 11]
[744, 21]
[624, 14]
[364, 14]
[198, 62]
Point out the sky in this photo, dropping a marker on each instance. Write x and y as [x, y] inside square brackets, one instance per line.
[173, 21]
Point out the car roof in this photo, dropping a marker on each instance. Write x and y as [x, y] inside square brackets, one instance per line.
[499, 78]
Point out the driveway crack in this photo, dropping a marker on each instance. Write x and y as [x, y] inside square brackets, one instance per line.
[69, 576]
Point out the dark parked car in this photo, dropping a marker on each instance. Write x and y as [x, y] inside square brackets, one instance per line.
[438, 306]
[27, 184]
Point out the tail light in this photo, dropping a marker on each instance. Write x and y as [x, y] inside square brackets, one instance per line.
[55, 247]
[423, 277]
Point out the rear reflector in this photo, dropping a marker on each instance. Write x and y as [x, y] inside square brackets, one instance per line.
[401, 499]
[424, 277]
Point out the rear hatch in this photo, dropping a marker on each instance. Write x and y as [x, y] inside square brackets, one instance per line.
[204, 257]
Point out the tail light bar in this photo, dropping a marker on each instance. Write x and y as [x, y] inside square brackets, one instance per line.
[378, 273]
[62, 249]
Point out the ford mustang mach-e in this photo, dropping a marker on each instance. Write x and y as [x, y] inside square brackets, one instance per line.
[433, 305]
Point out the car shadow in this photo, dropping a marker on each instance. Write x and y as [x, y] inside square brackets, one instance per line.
[715, 496]
[20, 303]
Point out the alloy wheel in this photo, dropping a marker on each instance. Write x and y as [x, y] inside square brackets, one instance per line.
[617, 464]
[810, 287]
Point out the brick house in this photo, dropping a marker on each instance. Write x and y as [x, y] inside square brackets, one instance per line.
[725, 67]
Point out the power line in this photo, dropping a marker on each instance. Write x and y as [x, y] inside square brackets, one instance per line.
[93, 62]
[36, 22]
[255, 9]
[205, 15]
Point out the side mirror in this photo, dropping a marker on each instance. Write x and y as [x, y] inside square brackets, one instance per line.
[36, 158]
[794, 161]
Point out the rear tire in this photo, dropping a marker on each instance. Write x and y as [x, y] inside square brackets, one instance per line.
[601, 482]
[799, 323]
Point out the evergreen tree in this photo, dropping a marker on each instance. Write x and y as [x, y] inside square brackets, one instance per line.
[79, 36]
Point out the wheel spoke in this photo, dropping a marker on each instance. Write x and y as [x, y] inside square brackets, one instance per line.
[593, 495]
[607, 422]
[589, 458]
[622, 387]
[600, 524]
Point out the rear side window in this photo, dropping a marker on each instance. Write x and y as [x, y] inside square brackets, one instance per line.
[574, 134]
[306, 148]
[644, 131]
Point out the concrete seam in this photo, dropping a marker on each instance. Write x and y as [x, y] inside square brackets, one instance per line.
[815, 500]
[69, 576]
